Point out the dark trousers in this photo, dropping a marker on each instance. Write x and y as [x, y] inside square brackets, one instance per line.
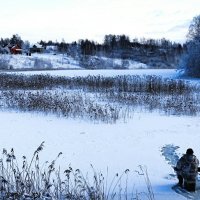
[189, 184]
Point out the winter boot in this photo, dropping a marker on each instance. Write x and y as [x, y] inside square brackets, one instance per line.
[190, 185]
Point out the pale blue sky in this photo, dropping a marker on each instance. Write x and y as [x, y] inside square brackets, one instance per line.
[79, 19]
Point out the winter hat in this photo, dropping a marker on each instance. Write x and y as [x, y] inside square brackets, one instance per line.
[189, 151]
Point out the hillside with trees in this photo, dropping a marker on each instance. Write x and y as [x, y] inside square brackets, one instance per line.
[155, 53]
[90, 54]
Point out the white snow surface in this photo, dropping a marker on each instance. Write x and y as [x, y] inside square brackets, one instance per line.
[117, 146]
[130, 64]
[54, 61]
[58, 61]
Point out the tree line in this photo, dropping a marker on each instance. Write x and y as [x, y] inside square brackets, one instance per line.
[148, 51]
[121, 45]
[111, 44]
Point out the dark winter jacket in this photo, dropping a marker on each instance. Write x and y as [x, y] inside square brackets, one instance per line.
[187, 166]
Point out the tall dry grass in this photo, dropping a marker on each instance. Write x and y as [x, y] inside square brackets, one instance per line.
[37, 180]
[98, 98]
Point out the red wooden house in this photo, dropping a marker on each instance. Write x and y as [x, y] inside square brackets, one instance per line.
[15, 50]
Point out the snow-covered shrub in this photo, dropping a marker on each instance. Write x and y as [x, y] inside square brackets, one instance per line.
[40, 63]
[90, 62]
[94, 62]
[111, 64]
[5, 62]
[191, 60]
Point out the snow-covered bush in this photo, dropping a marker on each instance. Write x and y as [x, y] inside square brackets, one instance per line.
[5, 62]
[191, 60]
[40, 63]
[94, 62]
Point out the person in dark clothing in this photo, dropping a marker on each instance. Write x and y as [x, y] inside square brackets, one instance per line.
[187, 170]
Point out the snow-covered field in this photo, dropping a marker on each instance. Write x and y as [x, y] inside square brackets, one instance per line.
[116, 146]
[58, 61]
[37, 61]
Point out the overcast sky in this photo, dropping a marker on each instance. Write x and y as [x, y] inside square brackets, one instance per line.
[71, 20]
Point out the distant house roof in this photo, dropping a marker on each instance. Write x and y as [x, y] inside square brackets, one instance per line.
[6, 49]
[39, 46]
[16, 47]
[36, 48]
